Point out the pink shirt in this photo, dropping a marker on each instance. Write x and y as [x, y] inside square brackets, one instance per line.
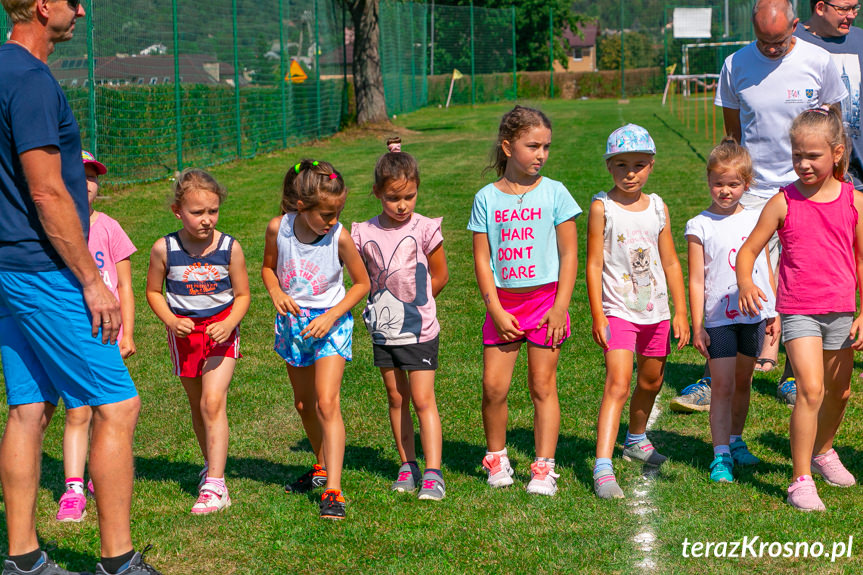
[817, 270]
[108, 245]
[400, 309]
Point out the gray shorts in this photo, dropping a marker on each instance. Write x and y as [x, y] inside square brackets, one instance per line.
[833, 328]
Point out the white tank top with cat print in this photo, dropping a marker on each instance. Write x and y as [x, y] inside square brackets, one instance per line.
[633, 281]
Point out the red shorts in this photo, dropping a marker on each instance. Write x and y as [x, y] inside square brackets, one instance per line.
[189, 353]
[528, 308]
[651, 340]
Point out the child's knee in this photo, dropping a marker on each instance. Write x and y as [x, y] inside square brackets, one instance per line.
[328, 408]
[78, 417]
[543, 391]
[812, 394]
[212, 405]
[494, 395]
[616, 389]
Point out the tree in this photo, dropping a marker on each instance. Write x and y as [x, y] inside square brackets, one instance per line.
[368, 81]
[531, 28]
[639, 51]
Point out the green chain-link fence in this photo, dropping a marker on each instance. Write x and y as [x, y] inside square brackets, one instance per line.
[174, 83]
[171, 84]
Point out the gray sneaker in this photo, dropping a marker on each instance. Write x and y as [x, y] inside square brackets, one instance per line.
[45, 566]
[432, 487]
[695, 397]
[407, 479]
[605, 485]
[643, 451]
[787, 391]
[135, 566]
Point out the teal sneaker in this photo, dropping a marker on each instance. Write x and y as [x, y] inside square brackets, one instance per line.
[720, 469]
[741, 455]
[695, 397]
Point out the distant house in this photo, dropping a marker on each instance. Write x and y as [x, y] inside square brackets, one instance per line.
[581, 49]
[150, 70]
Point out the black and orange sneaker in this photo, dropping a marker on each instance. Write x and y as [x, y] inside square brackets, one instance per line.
[332, 504]
[311, 479]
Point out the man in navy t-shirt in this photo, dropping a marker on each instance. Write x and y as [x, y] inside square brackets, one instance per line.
[831, 26]
[58, 320]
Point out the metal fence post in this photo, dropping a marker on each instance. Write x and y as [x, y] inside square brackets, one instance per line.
[317, 73]
[413, 62]
[237, 118]
[399, 58]
[514, 63]
[91, 83]
[551, 51]
[345, 102]
[282, 74]
[472, 61]
[177, 96]
[622, 58]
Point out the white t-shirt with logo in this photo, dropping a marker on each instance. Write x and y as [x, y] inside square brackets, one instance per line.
[770, 94]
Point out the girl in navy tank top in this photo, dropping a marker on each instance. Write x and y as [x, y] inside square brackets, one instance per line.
[206, 295]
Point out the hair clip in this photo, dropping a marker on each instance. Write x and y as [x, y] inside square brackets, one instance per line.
[333, 176]
[394, 147]
[298, 166]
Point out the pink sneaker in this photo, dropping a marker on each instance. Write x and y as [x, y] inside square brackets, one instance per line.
[90, 488]
[72, 507]
[831, 469]
[803, 495]
[211, 499]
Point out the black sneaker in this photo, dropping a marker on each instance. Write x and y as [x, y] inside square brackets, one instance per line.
[45, 566]
[311, 479]
[332, 505]
[135, 566]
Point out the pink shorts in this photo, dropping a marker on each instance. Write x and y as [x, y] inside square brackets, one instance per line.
[189, 353]
[528, 308]
[651, 340]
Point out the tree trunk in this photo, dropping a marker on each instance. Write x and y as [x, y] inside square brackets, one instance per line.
[368, 82]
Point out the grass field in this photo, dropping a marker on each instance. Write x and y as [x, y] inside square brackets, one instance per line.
[474, 529]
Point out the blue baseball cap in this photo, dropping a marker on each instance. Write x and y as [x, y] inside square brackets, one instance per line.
[629, 138]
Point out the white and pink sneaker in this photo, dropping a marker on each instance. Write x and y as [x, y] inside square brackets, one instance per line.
[211, 499]
[543, 479]
[499, 471]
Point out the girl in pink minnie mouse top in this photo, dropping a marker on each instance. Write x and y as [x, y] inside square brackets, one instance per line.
[403, 253]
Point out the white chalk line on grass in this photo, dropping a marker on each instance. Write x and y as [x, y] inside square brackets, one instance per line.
[642, 506]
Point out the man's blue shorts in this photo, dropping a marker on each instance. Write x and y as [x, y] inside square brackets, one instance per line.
[47, 347]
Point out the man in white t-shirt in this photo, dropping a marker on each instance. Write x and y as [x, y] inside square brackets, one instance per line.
[762, 88]
[765, 85]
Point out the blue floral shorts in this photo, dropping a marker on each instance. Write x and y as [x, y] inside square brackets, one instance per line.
[300, 352]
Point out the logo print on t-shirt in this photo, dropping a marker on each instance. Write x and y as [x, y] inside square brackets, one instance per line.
[303, 277]
[201, 278]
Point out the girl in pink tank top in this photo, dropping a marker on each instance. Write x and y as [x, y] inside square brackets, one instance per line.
[817, 221]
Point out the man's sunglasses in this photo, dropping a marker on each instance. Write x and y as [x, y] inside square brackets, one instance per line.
[73, 4]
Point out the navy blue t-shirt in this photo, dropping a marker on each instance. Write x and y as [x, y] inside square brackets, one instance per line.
[34, 113]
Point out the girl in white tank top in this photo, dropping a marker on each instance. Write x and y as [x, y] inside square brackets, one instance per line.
[304, 252]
